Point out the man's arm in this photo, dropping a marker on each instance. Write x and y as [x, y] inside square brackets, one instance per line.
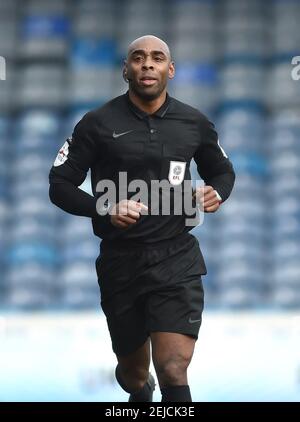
[72, 163]
[73, 200]
[213, 165]
[69, 171]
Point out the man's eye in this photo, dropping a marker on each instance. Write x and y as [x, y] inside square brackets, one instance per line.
[137, 58]
[158, 59]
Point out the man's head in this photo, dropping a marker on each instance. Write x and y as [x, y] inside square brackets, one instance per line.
[148, 67]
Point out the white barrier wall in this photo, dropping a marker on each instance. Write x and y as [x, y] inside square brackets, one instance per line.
[63, 357]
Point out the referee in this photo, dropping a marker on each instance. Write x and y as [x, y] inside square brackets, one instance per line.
[149, 267]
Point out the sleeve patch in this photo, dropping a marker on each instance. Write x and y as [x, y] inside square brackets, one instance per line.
[62, 155]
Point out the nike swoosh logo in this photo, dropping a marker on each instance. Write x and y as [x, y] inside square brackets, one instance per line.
[117, 135]
[191, 321]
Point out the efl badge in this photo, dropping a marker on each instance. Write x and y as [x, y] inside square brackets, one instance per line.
[176, 172]
[62, 155]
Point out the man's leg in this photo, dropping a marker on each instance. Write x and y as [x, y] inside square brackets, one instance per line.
[134, 368]
[172, 354]
[132, 373]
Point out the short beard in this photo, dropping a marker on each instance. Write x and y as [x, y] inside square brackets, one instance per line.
[144, 95]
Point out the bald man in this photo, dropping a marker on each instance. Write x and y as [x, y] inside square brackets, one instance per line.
[149, 267]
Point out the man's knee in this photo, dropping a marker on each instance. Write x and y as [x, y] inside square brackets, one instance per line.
[173, 371]
[134, 377]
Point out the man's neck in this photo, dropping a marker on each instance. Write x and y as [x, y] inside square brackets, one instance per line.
[149, 107]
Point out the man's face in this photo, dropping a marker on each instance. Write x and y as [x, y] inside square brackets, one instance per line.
[148, 69]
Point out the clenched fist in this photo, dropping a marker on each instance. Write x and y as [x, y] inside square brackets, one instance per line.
[208, 198]
[126, 212]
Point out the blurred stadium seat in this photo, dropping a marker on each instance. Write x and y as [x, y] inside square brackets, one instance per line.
[233, 62]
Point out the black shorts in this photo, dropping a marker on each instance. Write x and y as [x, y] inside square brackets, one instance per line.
[148, 288]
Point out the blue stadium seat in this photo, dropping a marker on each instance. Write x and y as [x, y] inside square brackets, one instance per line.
[44, 37]
[42, 85]
[196, 85]
[30, 285]
[64, 58]
[242, 82]
[79, 286]
[43, 124]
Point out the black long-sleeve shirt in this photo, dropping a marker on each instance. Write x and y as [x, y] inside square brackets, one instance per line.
[119, 137]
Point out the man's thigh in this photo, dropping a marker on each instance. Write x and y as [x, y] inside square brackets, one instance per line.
[172, 354]
[168, 346]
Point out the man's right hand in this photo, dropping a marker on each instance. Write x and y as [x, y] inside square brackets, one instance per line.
[126, 212]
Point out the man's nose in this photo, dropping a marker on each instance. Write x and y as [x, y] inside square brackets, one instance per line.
[148, 64]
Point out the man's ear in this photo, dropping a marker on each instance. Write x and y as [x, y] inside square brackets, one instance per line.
[125, 71]
[171, 72]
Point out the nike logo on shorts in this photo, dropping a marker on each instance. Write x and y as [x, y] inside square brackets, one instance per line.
[192, 321]
[117, 135]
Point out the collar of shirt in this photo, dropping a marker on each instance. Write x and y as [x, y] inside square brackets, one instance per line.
[142, 114]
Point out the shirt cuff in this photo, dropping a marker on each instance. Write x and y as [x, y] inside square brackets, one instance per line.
[218, 196]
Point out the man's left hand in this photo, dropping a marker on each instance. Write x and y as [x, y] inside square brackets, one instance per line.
[208, 198]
